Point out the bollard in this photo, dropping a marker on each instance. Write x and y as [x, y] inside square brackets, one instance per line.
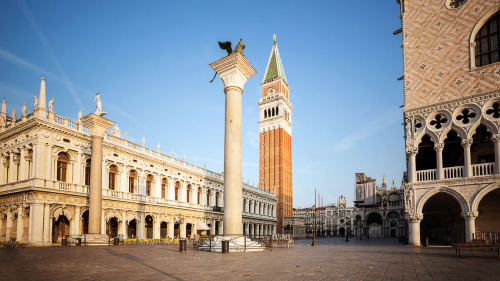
[117, 241]
[63, 241]
[225, 246]
[426, 242]
[78, 241]
[182, 245]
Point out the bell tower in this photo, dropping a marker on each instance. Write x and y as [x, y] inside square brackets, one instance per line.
[275, 158]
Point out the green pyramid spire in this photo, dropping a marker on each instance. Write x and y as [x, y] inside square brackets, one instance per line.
[274, 66]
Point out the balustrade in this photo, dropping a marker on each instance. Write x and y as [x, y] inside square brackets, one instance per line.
[454, 172]
[483, 169]
[426, 175]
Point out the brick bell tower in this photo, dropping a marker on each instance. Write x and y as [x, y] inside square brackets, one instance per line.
[275, 161]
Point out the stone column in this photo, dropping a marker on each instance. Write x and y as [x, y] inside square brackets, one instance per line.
[123, 225]
[234, 71]
[47, 224]
[156, 227]
[141, 225]
[496, 141]
[470, 225]
[467, 160]
[20, 223]
[414, 230]
[77, 220]
[170, 228]
[98, 126]
[8, 225]
[22, 164]
[36, 223]
[412, 173]
[438, 147]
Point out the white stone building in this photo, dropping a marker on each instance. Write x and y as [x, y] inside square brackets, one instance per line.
[45, 178]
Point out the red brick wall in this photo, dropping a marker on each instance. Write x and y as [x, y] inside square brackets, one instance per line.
[437, 55]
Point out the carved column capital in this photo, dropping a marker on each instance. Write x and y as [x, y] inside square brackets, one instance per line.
[412, 150]
[467, 142]
[414, 218]
[495, 138]
[469, 215]
[439, 146]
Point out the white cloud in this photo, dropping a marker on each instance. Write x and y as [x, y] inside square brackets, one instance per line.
[380, 122]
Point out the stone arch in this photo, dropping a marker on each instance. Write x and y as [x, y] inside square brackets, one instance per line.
[460, 132]
[472, 39]
[474, 206]
[490, 126]
[64, 211]
[434, 137]
[455, 194]
[113, 214]
[132, 216]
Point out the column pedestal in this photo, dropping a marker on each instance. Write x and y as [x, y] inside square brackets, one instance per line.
[234, 71]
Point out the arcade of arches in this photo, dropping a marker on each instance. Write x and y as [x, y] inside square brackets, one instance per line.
[446, 217]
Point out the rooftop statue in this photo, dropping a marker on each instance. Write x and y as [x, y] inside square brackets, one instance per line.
[98, 109]
[51, 104]
[36, 102]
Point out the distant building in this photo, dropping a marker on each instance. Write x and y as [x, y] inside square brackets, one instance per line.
[382, 218]
[294, 226]
[332, 220]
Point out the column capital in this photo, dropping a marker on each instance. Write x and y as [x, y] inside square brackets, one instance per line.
[414, 218]
[97, 125]
[495, 138]
[470, 215]
[467, 142]
[412, 150]
[438, 146]
[234, 70]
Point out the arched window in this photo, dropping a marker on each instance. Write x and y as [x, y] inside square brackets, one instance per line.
[269, 113]
[62, 166]
[217, 199]
[209, 192]
[177, 187]
[149, 183]
[113, 170]
[163, 188]
[426, 157]
[273, 112]
[131, 181]
[487, 50]
[277, 111]
[265, 113]
[188, 193]
[87, 172]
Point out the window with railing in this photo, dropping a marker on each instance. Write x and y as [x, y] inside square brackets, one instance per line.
[113, 170]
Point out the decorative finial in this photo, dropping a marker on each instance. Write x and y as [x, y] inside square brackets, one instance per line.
[43, 76]
[274, 38]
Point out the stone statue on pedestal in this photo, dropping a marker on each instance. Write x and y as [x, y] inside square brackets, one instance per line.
[25, 109]
[98, 109]
[36, 102]
[51, 104]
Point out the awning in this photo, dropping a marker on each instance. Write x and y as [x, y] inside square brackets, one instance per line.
[202, 226]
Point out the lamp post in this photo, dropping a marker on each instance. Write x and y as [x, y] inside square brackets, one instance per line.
[314, 214]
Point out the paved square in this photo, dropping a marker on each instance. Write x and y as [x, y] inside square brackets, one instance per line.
[332, 259]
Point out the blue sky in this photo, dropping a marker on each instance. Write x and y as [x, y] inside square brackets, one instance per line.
[149, 60]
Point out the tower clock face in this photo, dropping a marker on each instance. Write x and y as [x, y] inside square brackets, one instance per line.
[454, 4]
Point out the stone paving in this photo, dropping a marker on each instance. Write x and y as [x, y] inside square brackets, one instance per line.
[332, 259]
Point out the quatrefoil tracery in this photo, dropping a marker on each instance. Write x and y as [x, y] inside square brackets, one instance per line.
[466, 116]
[438, 121]
[494, 110]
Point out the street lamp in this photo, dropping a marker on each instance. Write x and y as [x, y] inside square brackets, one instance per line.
[314, 215]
